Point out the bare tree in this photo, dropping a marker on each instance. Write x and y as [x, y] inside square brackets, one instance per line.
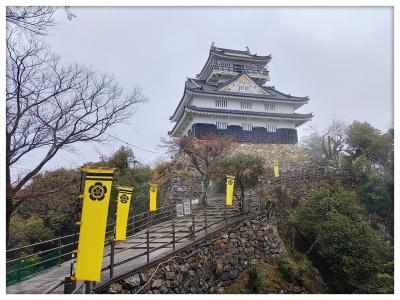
[35, 19]
[169, 145]
[328, 143]
[333, 138]
[314, 146]
[204, 154]
[51, 106]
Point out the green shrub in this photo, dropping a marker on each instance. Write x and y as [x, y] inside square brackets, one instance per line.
[386, 283]
[350, 248]
[254, 283]
[290, 271]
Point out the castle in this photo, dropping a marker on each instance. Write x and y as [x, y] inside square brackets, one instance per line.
[228, 97]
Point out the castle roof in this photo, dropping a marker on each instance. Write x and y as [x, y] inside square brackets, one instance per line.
[238, 53]
[200, 87]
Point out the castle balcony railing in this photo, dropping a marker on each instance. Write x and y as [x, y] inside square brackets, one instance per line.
[238, 69]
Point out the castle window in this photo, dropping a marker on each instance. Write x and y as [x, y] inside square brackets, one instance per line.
[247, 127]
[269, 106]
[221, 103]
[246, 105]
[222, 125]
[237, 68]
[243, 87]
[271, 128]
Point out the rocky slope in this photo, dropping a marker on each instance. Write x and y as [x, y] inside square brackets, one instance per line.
[214, 265]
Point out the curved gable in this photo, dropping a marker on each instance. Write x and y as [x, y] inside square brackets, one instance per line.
[243, 84]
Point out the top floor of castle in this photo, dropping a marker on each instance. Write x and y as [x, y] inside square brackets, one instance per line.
[223, 64]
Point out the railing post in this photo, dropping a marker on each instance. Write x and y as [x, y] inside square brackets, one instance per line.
[173, 234]
[87, 287]
[69, 285]
[205, 220]
[59, 251]
[72, 262]
[133, 224]
[112, 244]
[148, 246]
[193, 226]
[148, 220]
[225, 218]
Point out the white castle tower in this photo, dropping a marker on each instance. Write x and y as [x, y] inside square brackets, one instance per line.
[229, 98]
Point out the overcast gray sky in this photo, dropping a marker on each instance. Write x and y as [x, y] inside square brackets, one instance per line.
[341, 57]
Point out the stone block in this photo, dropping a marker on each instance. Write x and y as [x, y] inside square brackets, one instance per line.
[156, 284]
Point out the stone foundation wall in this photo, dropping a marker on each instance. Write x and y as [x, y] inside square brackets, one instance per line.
[286, 155]
[184, 177]
[211, 266]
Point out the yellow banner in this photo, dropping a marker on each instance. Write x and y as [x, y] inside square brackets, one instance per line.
[276, 169]
[124, 201]
[153, 197]
[230, 181]
[96, 198]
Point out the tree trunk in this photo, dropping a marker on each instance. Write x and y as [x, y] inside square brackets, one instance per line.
[241, 201]
[9, 203]
[9, 211]
[312, 246]
[205, 183]
[242, 197]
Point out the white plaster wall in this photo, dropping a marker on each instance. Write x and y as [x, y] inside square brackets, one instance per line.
[235, 104]
[240, 121]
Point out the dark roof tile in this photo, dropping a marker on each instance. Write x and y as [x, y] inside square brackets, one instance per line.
[241, 53]
[200, 86]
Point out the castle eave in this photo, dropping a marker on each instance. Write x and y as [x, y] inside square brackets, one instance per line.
[247, 114]
[298, 119]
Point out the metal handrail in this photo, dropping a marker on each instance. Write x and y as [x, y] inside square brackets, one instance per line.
[164, 210]
[71, 235]
[166, 213]
[161, 246]
[39, 263]
[32, 255]
[36, 244]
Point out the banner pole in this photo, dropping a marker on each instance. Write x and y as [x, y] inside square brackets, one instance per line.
[112, 249]
[112, 245]
[173, 234]
[75, 231]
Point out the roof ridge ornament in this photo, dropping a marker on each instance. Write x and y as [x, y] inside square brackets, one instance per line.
[247, 49]
[195, 83]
